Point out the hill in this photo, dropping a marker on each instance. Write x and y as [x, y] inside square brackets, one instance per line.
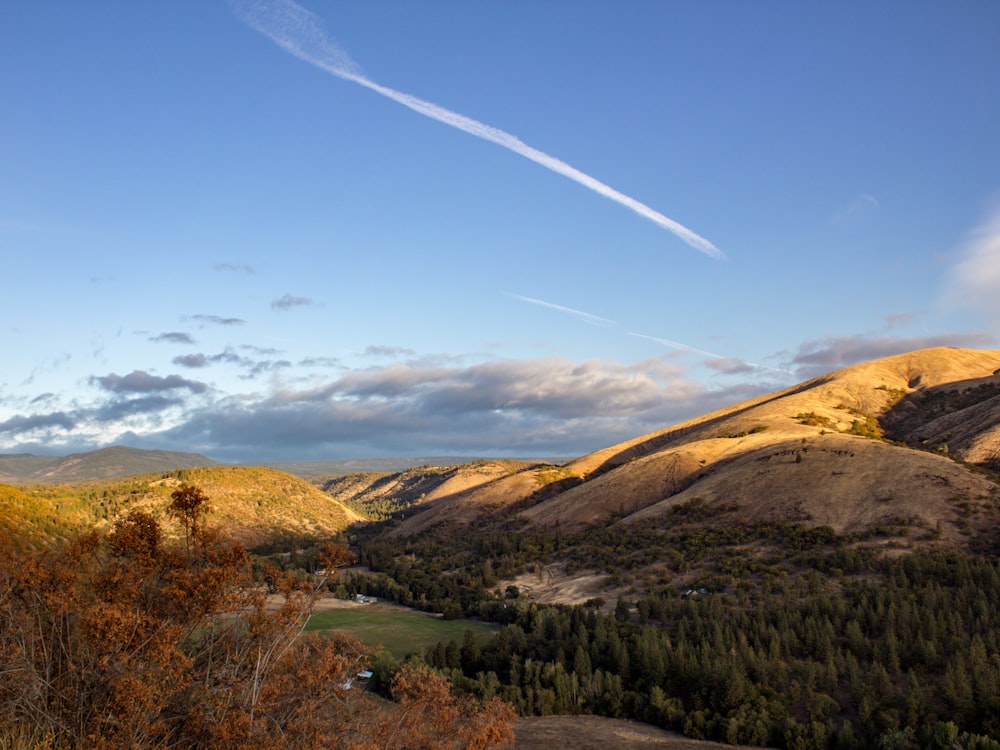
[904, 438]
[106, 463]
[319, 471]
[379, 495]
[259, 507]
[813, 568]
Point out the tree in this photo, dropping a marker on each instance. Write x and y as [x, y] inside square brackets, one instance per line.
[189, 505]
[130, 641]
[429, 717]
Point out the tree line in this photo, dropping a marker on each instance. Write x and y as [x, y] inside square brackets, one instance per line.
[822, 643]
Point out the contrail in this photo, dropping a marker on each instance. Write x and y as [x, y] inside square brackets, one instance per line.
[300, 33]
[596, 320]
[584, 316]
[686, 348]
[677, 345]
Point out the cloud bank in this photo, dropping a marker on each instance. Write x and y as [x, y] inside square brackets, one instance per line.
[300, 33]
[524, 407]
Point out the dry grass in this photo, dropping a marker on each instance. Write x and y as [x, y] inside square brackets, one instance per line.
[599, 733]
[764, 457]
[252, 504]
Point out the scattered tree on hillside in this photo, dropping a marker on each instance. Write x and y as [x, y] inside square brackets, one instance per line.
[189, 506]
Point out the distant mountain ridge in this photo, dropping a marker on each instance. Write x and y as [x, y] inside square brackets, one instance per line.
[122, 461]
[105, 463]
[388, 464]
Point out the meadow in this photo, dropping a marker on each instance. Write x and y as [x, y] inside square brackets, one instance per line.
[401, 631]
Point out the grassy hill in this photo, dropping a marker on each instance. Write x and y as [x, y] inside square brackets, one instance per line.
[260, 507]
[38, 515]
[899, 438]
[379, 495]
[855, 459]
[814, 568]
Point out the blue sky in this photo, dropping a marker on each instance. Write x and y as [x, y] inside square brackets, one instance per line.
[222, 232]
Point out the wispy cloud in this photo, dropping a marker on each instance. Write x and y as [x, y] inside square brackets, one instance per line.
[718, 362]
[234, 267]
[859, 206]
[140, 381]
[584, 316]
[289, 301]
[173, 337]
[300, 33]
[897, 320]
[975, 280]
[251, 367]
[722, 363]
[729, 366]
[321, 362]
[676, 345]
[218, 320]
[393, 352]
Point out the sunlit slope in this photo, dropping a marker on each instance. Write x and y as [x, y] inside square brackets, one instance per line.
[40, 515]
[256, 506]
[377, 495]
[817, 452]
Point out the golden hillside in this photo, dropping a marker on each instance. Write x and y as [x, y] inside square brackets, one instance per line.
[38, 515]
[817, 452]
[256, 506]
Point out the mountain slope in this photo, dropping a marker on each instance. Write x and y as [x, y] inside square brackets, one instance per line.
[381, 494]
[106, 463]
[810, 453]
[32, 518]
[256, 506]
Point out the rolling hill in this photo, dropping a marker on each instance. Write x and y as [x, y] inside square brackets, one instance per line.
[258, 507]
[907, 440]
[901, 438]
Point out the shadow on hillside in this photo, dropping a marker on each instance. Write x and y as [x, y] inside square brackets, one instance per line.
[676, 436]
[911, 420]
[918, 409]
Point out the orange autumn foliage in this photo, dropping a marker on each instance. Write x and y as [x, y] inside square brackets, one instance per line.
[128, 641]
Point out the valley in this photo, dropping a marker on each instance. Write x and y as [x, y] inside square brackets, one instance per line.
[812, 568]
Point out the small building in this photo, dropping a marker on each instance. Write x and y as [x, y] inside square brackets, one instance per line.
[361, 680]
[688, 593]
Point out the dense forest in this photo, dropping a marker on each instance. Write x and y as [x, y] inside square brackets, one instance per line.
[789, 636]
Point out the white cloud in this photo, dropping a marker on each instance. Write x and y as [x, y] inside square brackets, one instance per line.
[975, 279]
[540, 407]
[859, 206]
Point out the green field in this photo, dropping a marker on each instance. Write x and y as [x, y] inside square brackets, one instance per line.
[401, 631]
